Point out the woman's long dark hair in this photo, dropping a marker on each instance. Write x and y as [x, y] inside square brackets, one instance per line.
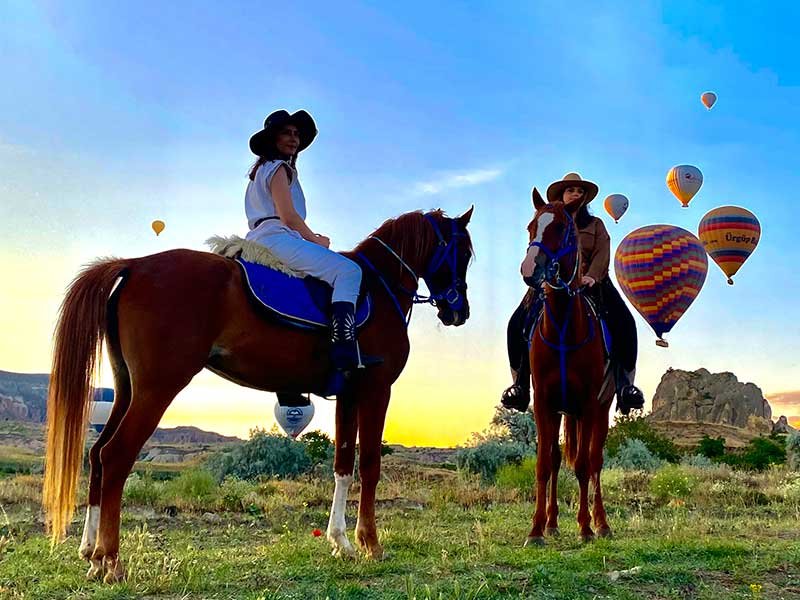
[271, 154]
[583, 217]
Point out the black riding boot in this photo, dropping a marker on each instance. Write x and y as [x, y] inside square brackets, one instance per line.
[518, 395]
[345, 353]
[629, 397]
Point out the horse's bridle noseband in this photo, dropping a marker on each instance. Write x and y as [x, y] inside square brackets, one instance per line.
[568, 244]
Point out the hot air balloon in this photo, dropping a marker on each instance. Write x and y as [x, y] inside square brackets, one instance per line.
[730, 234]
[661, 269]
[158, 226]
[684, 181]
[708, 99]
[102, 402]
[294, 419]
[616, 205]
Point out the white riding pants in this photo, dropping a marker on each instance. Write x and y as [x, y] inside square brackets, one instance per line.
[308, 258]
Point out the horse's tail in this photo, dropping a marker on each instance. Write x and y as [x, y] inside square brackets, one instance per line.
[82, 324]
[570, 440]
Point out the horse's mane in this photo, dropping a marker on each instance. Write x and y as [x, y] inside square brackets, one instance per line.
[409, 234]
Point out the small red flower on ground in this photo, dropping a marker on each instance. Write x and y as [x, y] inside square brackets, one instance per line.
[316, 532]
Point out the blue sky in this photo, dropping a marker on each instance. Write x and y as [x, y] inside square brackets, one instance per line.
[114, 114]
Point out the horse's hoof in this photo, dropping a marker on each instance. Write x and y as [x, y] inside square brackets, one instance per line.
[374, 553]
[552, 531]
[115, 572]
[605, 532]
[587, 537]
[85, 552]
[534, 540]
[95, 571]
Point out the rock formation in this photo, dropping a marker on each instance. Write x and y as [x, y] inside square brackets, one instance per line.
[703, 397]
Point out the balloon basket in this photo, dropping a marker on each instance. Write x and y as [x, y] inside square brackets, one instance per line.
[662, 343]
[730, 281]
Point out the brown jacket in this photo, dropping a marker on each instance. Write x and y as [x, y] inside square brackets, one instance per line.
[595, 245]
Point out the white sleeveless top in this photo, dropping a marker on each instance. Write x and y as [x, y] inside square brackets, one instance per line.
[258, 202]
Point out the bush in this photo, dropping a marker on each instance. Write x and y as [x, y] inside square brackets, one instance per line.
[263, 455]
[758, 455]
[194, 488]
[319, 446]
[711, 447]
[672, 483]
[637, 427]
[141, 489]
[236, 495]
[514, 425]
[633, 454]
[698, 461]
[793, 450]
[520, 477]
[489, 455]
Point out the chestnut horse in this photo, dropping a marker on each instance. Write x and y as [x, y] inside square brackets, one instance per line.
[167, 316]
[569, 372]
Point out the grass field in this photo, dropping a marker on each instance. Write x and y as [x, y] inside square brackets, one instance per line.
[446, 537]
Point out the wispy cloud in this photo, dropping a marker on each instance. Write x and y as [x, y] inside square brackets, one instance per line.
[449, 181]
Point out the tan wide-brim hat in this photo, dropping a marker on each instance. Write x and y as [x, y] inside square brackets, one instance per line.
[555, 192]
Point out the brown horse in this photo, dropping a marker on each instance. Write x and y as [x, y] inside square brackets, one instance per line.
[569, 373]
[167, 316]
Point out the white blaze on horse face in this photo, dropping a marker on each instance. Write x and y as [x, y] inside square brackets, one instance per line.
[529, 264]
[337, 527]
[89, 532]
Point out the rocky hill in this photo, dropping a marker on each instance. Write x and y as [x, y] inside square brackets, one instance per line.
[690, 404]
[23, 396]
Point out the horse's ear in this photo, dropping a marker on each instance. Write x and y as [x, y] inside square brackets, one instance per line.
[538, 201]
[463, 220]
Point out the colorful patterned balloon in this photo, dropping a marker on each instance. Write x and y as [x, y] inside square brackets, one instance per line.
[730, 234]
[616, 205]
[661, 269]
[708, 99]
[684, 181]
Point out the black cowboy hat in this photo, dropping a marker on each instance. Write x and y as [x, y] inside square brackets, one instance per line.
[260, 141]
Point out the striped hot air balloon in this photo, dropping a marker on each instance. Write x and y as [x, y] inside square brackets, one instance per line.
[730, 234]
[661, 269]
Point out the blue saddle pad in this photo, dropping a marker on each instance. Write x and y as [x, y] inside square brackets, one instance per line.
[303, 303]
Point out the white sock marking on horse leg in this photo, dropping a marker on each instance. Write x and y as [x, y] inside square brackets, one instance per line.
[337, 526]
[89, 532]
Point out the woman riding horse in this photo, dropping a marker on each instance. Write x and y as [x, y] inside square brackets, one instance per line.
[276, 211]
[595, 248]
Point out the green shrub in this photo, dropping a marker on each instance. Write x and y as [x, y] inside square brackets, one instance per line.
[633, 454]
[141, 489]
[698, 461]
[793, 450]
[236, 495]
[515, 426]
[263, 455]
[319, 446]
[672, 483]
[711, 447]
[521, 477]
[489, 455]
[194, 488]
[637, 427]
[758, 455]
